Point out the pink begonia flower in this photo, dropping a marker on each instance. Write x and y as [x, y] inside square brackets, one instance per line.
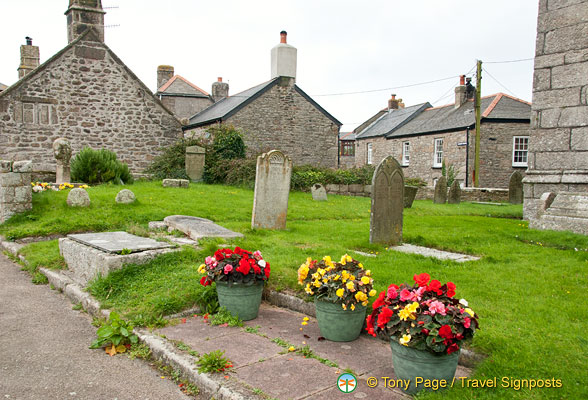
[466, 322]
[437, 307]
[257, 255]
[418, 294]
[405, 295]
[228, 268]
[211, 261]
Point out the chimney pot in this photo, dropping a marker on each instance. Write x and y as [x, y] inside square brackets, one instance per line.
[393, 103]
[462, 80]
[220, 78]
[29, 41]
[283, 37]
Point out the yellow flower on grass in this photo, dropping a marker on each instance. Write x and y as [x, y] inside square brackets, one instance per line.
[350, 286]
[405, 339]
[201, 268]
[340, 292]
[360, 296]
[373, 292]
[365, 280]
[469, 311]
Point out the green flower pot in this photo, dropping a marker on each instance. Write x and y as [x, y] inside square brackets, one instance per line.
[410, 364]
[241, 300]
[337, 324]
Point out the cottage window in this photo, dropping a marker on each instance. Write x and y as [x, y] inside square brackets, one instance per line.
[520, 150]
[438, 153]
[369, 153]
[347, 148]
[405, 153]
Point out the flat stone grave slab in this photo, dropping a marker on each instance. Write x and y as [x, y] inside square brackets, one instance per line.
[198, 228]
[116, 242]
[428, 252]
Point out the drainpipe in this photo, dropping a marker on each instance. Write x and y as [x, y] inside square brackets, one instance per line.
[467, 155]
[338, 150]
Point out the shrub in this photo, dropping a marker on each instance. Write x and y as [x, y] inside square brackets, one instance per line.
[415, 182]
[172, 161]
[227, 144]
[305, 176]
[449, 173]
[99, 166]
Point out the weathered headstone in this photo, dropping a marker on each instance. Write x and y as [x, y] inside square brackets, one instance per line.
[15, 188]
[62, 153]
[78, 198]
[272, 187]
[454, 193]
[182, 183]
[195, 156]
[410, 193]
[318, 192]
[125, 196]
[440, 191]
[515, 188]
[387, 203]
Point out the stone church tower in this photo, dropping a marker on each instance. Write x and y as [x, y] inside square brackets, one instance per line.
[84, 14]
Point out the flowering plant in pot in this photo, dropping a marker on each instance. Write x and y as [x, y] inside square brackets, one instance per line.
[425, 324]
[239, 275]
[340, 291]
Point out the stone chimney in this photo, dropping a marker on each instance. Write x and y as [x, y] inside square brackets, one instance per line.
[29, 58]
[164, 74]
[220, 90]
[393, 103]
[84, 14]
[284, 59]
[460, 92]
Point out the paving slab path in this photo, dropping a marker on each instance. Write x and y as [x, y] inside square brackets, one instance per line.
[262, 365]
[44, 350]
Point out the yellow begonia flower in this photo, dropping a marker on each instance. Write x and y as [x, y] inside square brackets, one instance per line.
[340, 292]
[351, 277]
[345, 259]
[321, 271]
[373, 292]
[337, 277]
[365, 280]
[405, 339]
[202, 268]
[308, 290]
[360, 296]
[352, 307]
[345, 274]
[326, 280]
[315, 275]
[469, 311]
[405, 314]
[350, 286]
[364, 303]
[368, 273]
[360, 265]
[344, 306]
[317, 283]
[413, 307]
[328, 261]
[302, 273]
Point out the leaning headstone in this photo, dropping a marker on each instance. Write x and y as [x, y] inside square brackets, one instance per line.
[454, 193]
[195, 162]
[440, 191]
[62, 153]
[515, 188]
[410, 193]
[125, 196]
[272, 187]
[183, 183]
[16, 193]
[387, 203]
[318, 192]
[78, 198]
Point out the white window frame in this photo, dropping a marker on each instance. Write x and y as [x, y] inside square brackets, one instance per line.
[369, 155]
[520, 149]
[438, 153]
[405, 154]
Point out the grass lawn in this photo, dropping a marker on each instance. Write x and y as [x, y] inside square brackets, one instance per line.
[527, 288]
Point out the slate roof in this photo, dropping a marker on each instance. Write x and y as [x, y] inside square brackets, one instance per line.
[2, 86]
[391, 120]
[346, 136]
[224, 108]
[167, 89]
[447, 118]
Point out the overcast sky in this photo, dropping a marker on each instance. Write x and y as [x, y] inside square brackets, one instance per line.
[343, 46]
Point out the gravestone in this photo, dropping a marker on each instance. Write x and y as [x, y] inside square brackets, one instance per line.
[198, 228]
[515, 188]
[440, 191]
[181, 183]
[195, 156]
[125, 196]
[272, 187]
[454, 193]
[387, 203]
[16, 195]
[410, 193]
[318, 192]
[78, 198]
[62, 153]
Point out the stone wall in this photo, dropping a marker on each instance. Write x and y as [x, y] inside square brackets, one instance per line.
[282, 119]
[185, 107]
[88, 96]
[16, 194]
[558, 156]
[495, 153]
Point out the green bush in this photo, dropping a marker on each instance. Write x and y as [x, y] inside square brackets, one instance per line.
[415, 182]
[172, 161]
[99, 166]
[305, 176]
[227, 144]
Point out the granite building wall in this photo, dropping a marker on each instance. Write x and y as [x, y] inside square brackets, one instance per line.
[87, 95]
[558, 144]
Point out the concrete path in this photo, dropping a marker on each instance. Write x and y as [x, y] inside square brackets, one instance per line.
[44, 350]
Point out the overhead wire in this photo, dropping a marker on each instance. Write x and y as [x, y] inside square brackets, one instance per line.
[497, 81]
[509, 61]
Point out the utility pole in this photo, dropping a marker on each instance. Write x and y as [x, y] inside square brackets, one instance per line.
[478, 119]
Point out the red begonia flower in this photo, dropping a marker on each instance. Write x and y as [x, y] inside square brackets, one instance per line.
[422, 279]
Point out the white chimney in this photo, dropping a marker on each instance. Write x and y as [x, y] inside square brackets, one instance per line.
[284, 58]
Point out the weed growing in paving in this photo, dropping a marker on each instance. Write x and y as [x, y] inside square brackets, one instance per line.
[139, 350]
[116, 335]
[304, 351]
[223, 316]
[213, 362]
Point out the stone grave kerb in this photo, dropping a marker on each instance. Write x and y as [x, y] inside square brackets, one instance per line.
[387, 205]
[272, 188]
